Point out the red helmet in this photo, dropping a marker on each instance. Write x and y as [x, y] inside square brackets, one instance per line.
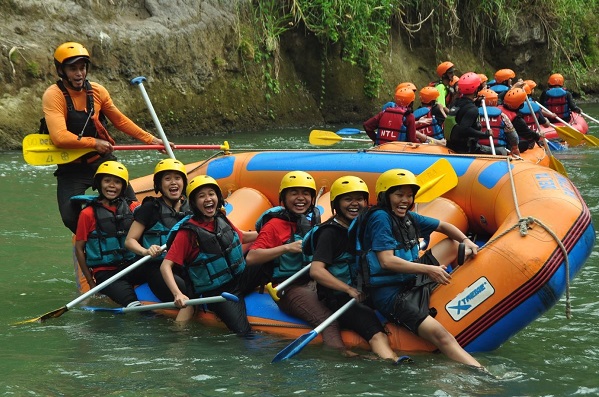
[444, 67]
[406, 85]
[428, 94]
[491, 96]
[404, 96]
[556, 79]
[504, 75]
[514, 98]
[469, 83]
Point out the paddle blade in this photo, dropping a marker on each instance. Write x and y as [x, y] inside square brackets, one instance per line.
[324, 138]
[569, 134]
[591, 140]
[295, 347]
[348, 131]
[44, 317]
[435, 181]
[38, 149]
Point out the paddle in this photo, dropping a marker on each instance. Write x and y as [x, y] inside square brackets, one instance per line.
[589, 117]
[327, 138]
[39, 150]
[571, 134]
[139, 82]
[225, 296]
[297, 345]
[488, 126]
[554, 163]
[436, 180]
[274, 291]
[60, 311]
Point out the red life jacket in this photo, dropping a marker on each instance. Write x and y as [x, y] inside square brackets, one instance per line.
[391, 125]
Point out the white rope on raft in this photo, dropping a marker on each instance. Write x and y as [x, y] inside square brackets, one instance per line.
[524, 224]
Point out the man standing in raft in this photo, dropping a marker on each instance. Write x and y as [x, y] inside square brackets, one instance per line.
[75, 113]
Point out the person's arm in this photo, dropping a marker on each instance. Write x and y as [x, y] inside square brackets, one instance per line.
[132, 241]
[456, 234]
[511, 135]
[371, 125]
[389, 261]
[80, 255]
[249, 237]
[468, 120]
[523, 130]
[166, 269]
[411, 130]
[259, 256]
[323, 277]
[571, 103]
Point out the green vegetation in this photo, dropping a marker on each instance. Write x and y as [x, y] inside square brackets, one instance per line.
[363, 28]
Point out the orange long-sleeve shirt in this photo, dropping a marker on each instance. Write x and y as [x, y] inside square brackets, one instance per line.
[55, 112]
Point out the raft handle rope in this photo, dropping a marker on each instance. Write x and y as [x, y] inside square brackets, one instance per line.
[524, 224]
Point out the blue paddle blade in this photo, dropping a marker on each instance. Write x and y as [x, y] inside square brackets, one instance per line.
[103, 309]
[230, 297]
[295, 347]
[555, 146]
[348, 131]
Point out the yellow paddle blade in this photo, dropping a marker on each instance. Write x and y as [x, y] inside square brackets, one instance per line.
[569, 134]
[53, 314]
[327, 138]
[39, 150]
[435, 181]
[557, 165]
[591, 140]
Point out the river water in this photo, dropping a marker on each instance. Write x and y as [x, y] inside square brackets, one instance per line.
[102, 354]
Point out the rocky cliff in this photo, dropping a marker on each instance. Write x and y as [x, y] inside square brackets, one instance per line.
[204, 75]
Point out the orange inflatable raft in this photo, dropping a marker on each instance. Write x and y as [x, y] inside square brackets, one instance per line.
[528, 254]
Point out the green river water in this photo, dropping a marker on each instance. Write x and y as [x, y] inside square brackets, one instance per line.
[102, 354]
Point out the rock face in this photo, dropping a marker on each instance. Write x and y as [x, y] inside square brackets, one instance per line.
[200, 63]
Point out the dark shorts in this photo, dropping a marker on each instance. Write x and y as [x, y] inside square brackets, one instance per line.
[358, 318]
[411, 307]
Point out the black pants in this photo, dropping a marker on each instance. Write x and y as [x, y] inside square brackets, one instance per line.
[121, 290]
[73, 180]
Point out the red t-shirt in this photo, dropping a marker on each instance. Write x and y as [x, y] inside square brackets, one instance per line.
[87, 220]
[185, 247]
[274, 233]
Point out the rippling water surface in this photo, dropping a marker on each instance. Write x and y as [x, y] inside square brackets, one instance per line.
[102, 354]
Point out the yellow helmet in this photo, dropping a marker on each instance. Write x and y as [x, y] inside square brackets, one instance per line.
[395, 177]
[297, 179]
[199, 181]
[113, 168]
[168, 165]
[347, 184]
[68, 53]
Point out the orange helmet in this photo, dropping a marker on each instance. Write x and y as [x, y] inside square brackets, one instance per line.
[444, 67]
[428, 94]
[491, 96]
[406, 85]
[514, 98]
[527, 89]
[468, 83]
[404, 96]
[483, 78]
[504, 75]
[453, 81]
[531, 84]
[556, 79]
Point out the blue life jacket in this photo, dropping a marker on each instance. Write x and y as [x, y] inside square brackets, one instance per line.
[221, 254]
[105, 246]
[434, 130]
[406, 235]
[287, 265]
[341, 267]
[500, 88]
[167, 218]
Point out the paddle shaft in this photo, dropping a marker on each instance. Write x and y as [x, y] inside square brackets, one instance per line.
[106, 283]
[171, 305]
[589, 117]
[557, 118]
[488, 126]
[556, 164]
[162, 147]
[335, 316]
[291, 279]
[139, 82]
